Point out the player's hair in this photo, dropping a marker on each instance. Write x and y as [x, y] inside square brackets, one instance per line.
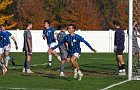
[48, 21]
[73, 25]
[63, 26]
[115, 22]
[3, 25]
[28, 23]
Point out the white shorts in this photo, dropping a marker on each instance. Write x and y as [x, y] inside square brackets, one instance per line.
[6, 48]
[77, 55]
[1, 50]
[52, 45]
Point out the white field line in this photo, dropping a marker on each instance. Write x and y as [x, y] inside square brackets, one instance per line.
[14, 67]
[11, 88]
[113, 85]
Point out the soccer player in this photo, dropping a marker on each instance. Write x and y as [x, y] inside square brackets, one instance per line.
[48, 34]
[7, 50]
[119, 40]
[62, 49]
[27, 48]
[4, 43]
[74, 48]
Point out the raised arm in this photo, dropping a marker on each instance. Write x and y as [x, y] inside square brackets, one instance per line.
[82, 40]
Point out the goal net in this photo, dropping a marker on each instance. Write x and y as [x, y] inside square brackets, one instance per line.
[135, 59]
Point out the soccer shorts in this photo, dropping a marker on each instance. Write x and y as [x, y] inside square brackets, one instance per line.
[6, 48]
[52, 45]
[1, 50]
[64, 54]
[119, 52]
[28, 53]
[75, 54]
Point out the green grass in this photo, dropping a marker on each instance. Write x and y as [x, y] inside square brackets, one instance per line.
[100, 71]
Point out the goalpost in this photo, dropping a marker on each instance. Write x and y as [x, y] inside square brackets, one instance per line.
[133, 65]
[130, 40]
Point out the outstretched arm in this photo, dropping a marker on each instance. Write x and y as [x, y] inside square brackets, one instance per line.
[88, 45]
[13, 38]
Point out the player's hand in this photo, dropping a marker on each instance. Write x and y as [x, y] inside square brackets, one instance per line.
[30, 50]
[94, 50]
[16, 47]
[23, 49]
[115, 48]
[43, 37]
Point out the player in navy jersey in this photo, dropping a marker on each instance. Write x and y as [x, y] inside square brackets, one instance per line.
[119, 40]
[4, 42]
[74, 48]
[49, 35]
[7, 49]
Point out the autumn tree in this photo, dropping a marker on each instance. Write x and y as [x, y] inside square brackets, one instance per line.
[31, 10]
[4, 18]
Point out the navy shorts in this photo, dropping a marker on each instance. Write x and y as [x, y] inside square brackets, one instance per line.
[119, 52]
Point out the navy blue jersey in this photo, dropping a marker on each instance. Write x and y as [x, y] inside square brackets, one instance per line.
[49, 34]
[73, 43]
[4, 39]
[119, 39]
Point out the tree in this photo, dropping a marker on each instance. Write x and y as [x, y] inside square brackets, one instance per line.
[4, 18]
[31, 10]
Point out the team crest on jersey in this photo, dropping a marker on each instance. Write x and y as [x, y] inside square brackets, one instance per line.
[74, 40]
[49, 31]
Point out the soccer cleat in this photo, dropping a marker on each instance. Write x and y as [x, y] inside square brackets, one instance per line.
[29, 71]
[75, 74]
[80, 77]
[23, 70]
[12, 61]
[122, 72]
[4, 70]
[49, 65]
[62, 74]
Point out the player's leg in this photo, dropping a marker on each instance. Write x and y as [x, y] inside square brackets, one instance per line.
[6, 54]
[25, 63]
[119, 64]
[50, 58]
[121, 61]
[75, 65]
[56, 55]
[64, 58]
[28, 63]
[54, 51]
[4, 69]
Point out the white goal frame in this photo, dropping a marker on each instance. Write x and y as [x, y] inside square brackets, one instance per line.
[130, 55]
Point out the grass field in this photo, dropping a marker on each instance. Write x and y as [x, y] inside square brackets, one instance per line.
[100, 71]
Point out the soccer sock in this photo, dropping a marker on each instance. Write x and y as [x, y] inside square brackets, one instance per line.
[62, 67]
[75, 70]
[79, 72]
[50, 59]
[59, 58]
[6, 61]
[123, 66]
[28, 64]
[25, 64]
[119, 67]
[10, 59]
